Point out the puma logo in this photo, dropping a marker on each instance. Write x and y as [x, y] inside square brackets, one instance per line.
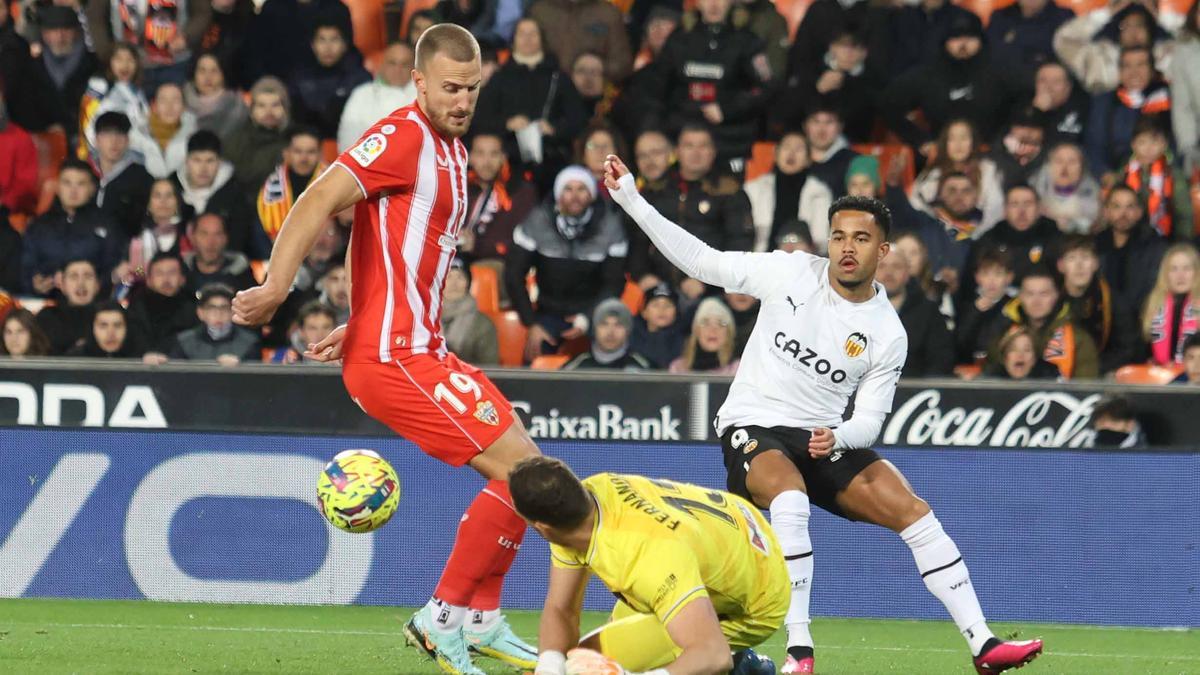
[794, 305]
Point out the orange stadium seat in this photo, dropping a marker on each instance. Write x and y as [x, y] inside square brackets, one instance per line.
[485, 288]
[968, 371]
[370, 32]
[550, 362]
[1081, 7]
[52, 151]
[886, 152]
[762, 160]
[259, 269]
[1175, 6]
[983, 8]
[633, 297]
[329, 150]
[793, 11]
[511, 334]
[48, 193]
[1147, 373]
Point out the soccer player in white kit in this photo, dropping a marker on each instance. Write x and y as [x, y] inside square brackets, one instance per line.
[825, 332]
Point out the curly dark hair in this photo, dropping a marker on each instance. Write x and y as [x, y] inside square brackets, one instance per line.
[883, 216]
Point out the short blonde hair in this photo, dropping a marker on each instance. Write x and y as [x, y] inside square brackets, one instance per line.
[450, 39]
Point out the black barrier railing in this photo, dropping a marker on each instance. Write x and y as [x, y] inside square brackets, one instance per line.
[575, 405]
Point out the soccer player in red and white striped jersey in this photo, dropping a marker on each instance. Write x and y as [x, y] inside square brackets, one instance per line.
[407, 181]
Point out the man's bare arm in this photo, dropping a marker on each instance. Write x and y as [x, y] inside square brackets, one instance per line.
[558, 631]
[697, 631]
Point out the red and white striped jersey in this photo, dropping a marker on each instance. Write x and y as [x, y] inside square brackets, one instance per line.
[404, 236]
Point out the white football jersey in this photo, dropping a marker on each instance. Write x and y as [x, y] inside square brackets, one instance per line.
[811, 349]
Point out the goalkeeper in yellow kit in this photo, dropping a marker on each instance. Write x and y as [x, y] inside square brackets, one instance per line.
[698, 574]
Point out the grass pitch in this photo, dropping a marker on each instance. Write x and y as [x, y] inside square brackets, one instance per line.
[73, 636]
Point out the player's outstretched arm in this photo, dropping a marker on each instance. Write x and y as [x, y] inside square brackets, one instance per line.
[558, 631]
[697, 631]
[332, 192]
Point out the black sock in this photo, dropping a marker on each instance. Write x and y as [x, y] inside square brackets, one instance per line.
[800, 653]
[991, 643]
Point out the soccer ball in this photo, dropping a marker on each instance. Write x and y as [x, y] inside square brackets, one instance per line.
[358, 491]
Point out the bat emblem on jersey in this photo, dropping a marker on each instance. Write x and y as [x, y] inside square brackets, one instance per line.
[485, 412]
[794, 305]
[856, 344]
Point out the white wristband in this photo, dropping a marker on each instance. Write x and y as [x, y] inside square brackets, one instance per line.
[551, 663]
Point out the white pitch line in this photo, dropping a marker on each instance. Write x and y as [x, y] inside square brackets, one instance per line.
[380, 633]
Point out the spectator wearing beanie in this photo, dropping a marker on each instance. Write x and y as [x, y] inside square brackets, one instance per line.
[65, 65]
[256, 147]
[30, 100]
[612, 324]
[468, 332]
[216, 338]
[709, 349]
[658, 331]
[207, 185]
[578, 245]
[124, 182]
[862, 177]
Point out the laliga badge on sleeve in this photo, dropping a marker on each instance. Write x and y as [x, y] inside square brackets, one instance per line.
[369, 149]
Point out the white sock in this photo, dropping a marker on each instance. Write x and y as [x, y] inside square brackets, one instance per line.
[482, 620]
[447, 618]
[789, 519]
[945, 575]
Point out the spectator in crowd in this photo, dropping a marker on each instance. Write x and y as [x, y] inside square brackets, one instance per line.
[960, 83]
[1130, 250]
[1070, 195]
[1116, 424]
[709, 348]
[652, 24]
[216, 338]
[314, 322]
[531, 90]
[1093, 306]
[1062, 105]
[824, 20]
[948, 234]
[1019, 359]
[469, 333]
[1151, 171]
[328, 250]
[166, 33]
[788, 192]
[862, 177]
[226, 38]
[1091, 45]
[1059, 340]
[762, 18]
[634, 109]
[22, 337]
[709, 204]
[301, 165]
[1021, 37]
[73, 228]
[110, 336]
[1018, 151]
[217, 108]
[958, 150]
[68, 323]
[255, 148]
[391, 89]
[1172, 312]
[975, 316]
[206, 183]
[29, 100]
[211, 261]
[124, 182]
[322, 85]
[1185, 90]
[335, 291]
[497, 201]
[828, 148]
[18, 166]
[575, 26]
[916, 33]
[655, 153]
[1191, 359]
[163, 143]
[118, 90]
[1028, 237]
[794, 236]
[162, 308]
[658, 331]
[595, 90]
[163, 228]
[577, 244]
[713, 73]
[418, 23]
[599, 141]
[842, 79]
[744, 309]
[1142, 93]
[612, 324]
[279, 35]
[64, 66]
[930, 345]
[490, 21]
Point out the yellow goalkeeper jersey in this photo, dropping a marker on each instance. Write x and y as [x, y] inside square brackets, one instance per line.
[658, 545]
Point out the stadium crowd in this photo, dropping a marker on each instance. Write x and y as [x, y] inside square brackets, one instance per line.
[1041, 168]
